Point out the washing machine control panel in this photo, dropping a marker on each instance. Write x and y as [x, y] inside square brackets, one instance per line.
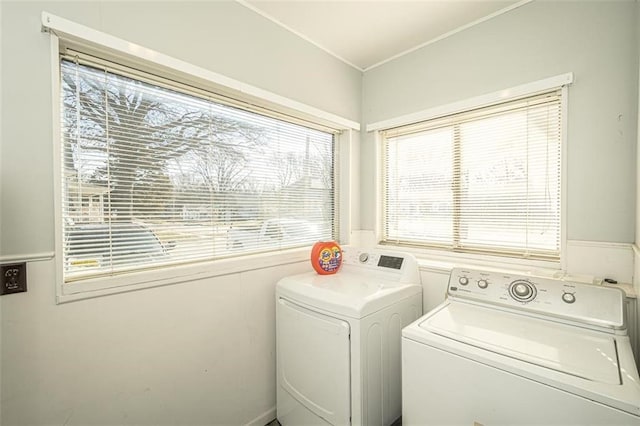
[563, 299]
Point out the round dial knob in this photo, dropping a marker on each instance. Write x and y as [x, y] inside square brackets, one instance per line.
[568, 297]
[363, 257]
[483, 283]
[522, 291]
[463, 280]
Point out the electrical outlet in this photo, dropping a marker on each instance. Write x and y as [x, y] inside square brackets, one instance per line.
[14, 278]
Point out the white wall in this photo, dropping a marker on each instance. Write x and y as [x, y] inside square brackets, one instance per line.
[594, 40]
[1, 8]
[636, 257]
[637, 236]
[191, 354]
[201, 352]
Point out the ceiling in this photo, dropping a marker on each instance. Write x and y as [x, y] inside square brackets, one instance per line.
[366, 33]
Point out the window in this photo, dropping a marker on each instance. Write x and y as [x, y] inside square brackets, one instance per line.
[485, 180]
[156, 174]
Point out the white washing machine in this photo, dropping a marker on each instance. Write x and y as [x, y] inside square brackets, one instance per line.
[505, 349]
[338, 340]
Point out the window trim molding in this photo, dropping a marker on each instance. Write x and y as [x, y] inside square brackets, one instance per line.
[61, 31]
[559, 82]
[103, 286]
[564, 111]
[110, 46]
[504, 95]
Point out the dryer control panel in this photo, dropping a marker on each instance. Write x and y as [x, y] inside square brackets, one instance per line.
[575, 302]
[395, 266]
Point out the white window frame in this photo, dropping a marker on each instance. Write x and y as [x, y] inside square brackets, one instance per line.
[449, 258]
[112, 48]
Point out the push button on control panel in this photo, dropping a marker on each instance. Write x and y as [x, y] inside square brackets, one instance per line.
[483, 283]
[463, 280]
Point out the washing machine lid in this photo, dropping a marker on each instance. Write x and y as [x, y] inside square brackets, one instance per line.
[583, 353]
[346, 293]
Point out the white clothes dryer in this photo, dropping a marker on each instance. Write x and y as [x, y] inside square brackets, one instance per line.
[507, 349]
[338, 340]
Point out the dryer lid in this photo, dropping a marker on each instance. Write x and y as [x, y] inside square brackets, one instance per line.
[568, 349]
[351, 294]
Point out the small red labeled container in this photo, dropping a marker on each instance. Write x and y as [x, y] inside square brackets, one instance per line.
[326, 257]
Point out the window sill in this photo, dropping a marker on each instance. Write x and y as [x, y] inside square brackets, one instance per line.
[443, 262]
[98, 287]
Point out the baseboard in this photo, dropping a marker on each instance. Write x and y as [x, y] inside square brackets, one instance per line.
[264, 418]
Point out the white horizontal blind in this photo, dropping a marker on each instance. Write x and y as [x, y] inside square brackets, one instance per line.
[485, 181]
[154, 176]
